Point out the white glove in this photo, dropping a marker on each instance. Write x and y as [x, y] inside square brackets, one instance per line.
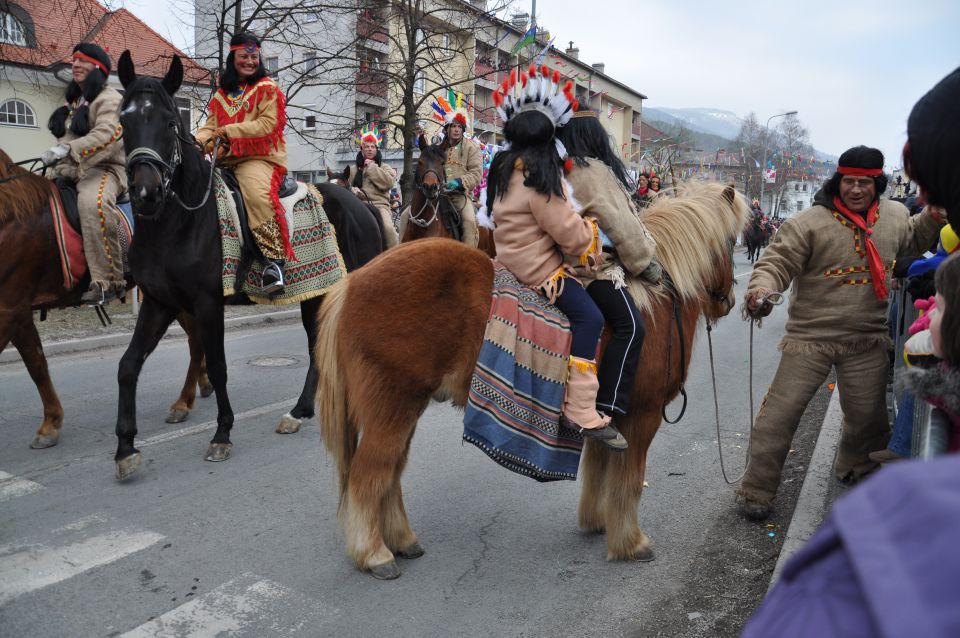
[54, 154]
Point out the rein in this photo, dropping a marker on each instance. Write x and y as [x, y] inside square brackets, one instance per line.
[683, 353]
[32, 161]
[774, 298]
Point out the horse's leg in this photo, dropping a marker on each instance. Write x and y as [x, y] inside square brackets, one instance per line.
[590, 514]
[292, 420]
[395, 526]
[152, 323]
[622, 489]
[209, 316]
[23, 333]
[181, 408]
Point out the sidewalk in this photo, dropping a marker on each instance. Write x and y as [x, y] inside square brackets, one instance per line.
[10, 354]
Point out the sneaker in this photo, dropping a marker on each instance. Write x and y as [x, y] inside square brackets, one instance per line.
[272, 281]
[885, 455]
[754, 510]
[97, 297]
[608, 435]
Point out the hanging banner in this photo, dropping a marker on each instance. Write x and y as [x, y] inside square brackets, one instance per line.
[770, 175]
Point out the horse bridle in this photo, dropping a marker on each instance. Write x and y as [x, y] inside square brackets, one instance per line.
[431, 198]
[165, 169]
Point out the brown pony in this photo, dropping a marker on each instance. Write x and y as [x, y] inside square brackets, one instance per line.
[32, 278]
[431, 212]
[379, 368]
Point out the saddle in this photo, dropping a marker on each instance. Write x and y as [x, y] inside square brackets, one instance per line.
[68, 234]
[288, 187]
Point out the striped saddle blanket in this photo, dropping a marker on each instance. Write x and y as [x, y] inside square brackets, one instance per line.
[317, 265]
[516, 392]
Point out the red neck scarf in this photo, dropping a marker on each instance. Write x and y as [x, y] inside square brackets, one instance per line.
[877, 272]
[642, 191]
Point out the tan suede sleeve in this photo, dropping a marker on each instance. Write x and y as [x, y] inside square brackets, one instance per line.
[105, 130]
[206, 131]
[922, 233]
[572, 233]
[782, 260]
[382, 177]
[474, 167]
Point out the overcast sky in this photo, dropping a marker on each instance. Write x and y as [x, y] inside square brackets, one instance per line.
[852, 68]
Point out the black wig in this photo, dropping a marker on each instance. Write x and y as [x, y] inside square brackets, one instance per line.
[94, 84]
[585, 137]
[933, 140]
[358, 174]
[530, 134]
[857, 157]
[229, 78]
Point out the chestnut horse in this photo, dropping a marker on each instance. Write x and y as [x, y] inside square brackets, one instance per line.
[431, 211]
[379, 368]
[32, 278]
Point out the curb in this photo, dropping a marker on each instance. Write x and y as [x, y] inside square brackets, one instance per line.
[812, 504]
[106, 341]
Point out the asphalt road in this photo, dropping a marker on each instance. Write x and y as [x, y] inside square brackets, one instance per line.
[251, 547]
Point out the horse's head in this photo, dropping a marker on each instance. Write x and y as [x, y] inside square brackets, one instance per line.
[152, 133]
[430, 175]
[721, 297]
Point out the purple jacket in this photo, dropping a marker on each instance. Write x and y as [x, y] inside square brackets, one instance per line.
[884, 563]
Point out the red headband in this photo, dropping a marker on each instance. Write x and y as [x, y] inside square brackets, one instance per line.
[860, 172]
[249, 48]
[95, 62]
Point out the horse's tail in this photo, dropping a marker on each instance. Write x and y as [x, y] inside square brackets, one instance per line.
[339, 435]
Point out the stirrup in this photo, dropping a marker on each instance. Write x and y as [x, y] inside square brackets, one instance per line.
[99, 297]
[272, 279]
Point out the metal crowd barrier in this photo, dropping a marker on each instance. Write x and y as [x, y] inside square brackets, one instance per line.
[931, 428]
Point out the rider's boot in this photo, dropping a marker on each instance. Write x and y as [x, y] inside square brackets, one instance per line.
[580, 406]
[98, 296]
[272, 281]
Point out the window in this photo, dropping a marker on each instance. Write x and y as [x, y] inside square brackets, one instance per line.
[11, 30]
[309, 63]
[271, 64]
[799, 205]
[183, 106]
[418, 36]
[17, 113]
[309, 118]
[420, 82]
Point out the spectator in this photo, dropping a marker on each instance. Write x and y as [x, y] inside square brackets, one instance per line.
[642, 195]
[837, 318]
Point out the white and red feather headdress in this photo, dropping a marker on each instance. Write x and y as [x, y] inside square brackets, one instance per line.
[536, 90]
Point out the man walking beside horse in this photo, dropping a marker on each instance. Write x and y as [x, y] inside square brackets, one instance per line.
[837, 256]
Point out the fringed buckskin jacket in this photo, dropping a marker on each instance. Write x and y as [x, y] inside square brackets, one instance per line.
[101, 147]
[253, 121]
[833, 306]
[596, 191]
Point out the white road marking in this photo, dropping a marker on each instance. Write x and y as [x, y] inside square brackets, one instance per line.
[35, 566]
[209, 425]
[246, 605]
[13, 486]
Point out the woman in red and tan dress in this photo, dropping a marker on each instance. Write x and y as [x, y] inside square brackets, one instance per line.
[247, 115]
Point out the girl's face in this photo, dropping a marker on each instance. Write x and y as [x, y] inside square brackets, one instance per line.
[642, 181]
[935, 321]
[655, 183]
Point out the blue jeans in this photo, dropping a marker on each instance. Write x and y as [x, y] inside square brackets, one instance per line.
[901, 441]
[586, 321]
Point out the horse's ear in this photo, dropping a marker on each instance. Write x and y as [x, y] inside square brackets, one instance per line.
[125, 69]
[174, 77]
[729, 193]
[422, 142]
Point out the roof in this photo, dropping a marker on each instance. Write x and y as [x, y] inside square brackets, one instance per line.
[649, 133]
[58, 26]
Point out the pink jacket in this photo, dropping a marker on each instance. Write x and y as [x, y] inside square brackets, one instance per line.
[533, 232]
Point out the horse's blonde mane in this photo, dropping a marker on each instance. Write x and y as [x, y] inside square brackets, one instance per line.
[22, 196]
[693, 229]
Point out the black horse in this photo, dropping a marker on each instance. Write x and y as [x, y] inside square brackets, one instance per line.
[755, 236]
[176, 255]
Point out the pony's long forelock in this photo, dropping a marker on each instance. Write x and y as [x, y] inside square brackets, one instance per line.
[692, 231]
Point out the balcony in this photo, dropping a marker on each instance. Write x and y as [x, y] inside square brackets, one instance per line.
[371, 29]
[484, 68]
[372, 83]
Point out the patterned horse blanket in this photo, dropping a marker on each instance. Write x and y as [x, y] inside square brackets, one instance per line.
[318, 263]
[516, 392]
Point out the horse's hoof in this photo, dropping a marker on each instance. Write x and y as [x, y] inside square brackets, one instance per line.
[177, 416]
[644, 555]
[386, 571]
[414, 551]
[206, 389]
[41, 442]
[126, 467]
[289, 424]
[219, 452]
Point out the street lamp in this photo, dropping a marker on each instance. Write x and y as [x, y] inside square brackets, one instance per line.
[766, 134]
